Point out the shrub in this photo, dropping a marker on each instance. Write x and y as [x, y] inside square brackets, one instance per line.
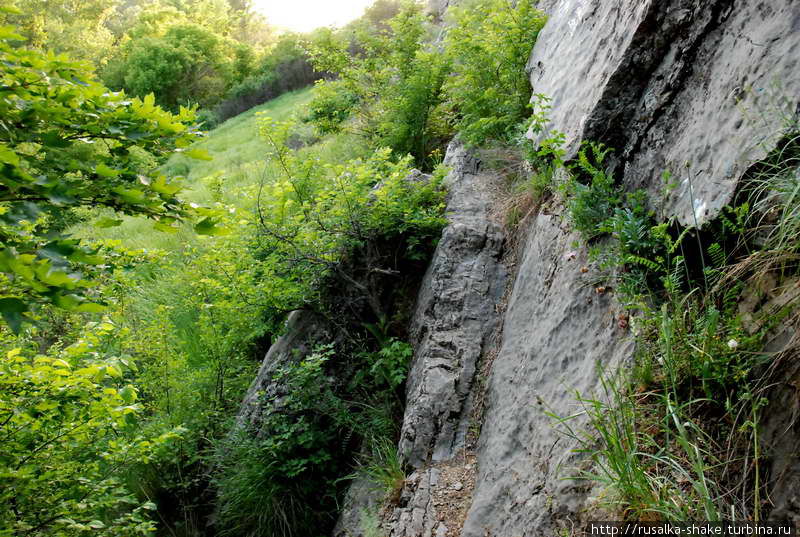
[69, 435]
[332, 105]
[490, 42]
[285, 68]
[186, 66]
[690, 406]
[313, 217]
[397, 82]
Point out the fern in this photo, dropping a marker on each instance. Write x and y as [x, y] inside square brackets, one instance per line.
[673, 247]
[644, 262]
[598, 155]
[717, 255]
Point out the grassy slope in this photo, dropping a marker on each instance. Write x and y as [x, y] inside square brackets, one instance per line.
[238, 160]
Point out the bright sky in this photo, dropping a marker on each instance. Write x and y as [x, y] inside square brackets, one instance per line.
[305, 15]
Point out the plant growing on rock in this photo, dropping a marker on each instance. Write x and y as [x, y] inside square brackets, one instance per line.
[691, 405]
[490, 42]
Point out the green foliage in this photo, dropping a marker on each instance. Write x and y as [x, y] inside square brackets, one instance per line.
[312, 215]
[689, 406]
[652, 468]
[396, 81]
[591, 205]
[331, 106]
[295, 459]
[775, 195]
[184, 66]
[78, 28]
[490, 42]
[383, 467]
[285, 67]
[74, 144]
[68, 439]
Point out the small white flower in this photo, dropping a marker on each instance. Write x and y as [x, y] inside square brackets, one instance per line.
[733, 344]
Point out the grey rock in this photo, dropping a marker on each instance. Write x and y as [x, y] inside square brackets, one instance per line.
[304, 331]
[557, 331]
[453, 325]
[665, 83]
[455, 317]
[417, 518]
[362, 500]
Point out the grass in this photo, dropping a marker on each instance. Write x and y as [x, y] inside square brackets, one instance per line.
[235, 143]
[383, 467]
[238, 161]
[676, 435]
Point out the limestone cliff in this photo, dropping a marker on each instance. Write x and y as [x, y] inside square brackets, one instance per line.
[690, 87]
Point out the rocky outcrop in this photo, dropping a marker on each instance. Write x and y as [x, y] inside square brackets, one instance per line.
[699, 89]
[558, 332]
[455, 320]
[304, 331]
[696, 88]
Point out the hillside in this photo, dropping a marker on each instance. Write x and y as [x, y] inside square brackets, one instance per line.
[459, 269]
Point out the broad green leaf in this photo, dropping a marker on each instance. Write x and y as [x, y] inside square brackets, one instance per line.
[128, 394]
[104, 171]
[130, 195]
[161, 186]
[8, 156]
[12, 310]
[107, 222]
[207, 226]
[199, 154]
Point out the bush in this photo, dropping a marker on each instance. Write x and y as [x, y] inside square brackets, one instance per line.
[313, 216]
[332, 105]
[327, 236]
[68, 436]
[490, 42]
[185, 66]
[285, 68]
[396, 81]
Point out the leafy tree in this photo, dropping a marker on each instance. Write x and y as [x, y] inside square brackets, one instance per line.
[286, 67]
[381, 11]
[313, 217]
[67, 440]
[396, 79]
[490, 42]
[158, 16]
[68, 142]
[76, 27]
[186, 65]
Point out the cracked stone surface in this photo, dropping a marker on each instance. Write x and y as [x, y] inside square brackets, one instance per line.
[455, 317]
[453, 325]
[557, 329]
[696, 88]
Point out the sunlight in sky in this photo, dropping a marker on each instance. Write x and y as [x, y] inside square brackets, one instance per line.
[305, 15]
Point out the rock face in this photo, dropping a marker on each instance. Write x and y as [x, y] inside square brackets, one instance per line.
[455, 318]
[700, 89]
[453, 326]
[558, 331]
[304, 330]
[668, 83]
